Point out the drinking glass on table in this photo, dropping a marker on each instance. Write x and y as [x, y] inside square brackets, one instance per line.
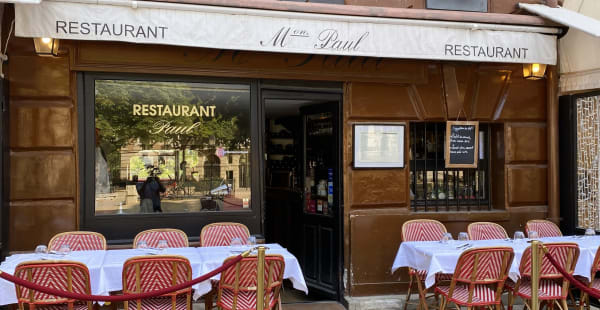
[251, 241]
[590, 232]
[446, 238]
[533, 234]
[162, 244]
[41, 249]
[64, 249]
[519, 236]
[142, 244]
[463, 236]
[236, 242]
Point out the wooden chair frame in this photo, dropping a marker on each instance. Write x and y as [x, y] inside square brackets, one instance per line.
[413, 274]
[27, 266]
[207, 227]
[584, 299]
[544, 222]
[272, 289]
[178, 231]
[472, 225]
[473, 281]
[56, 237]
[572, 256]
[175, 259]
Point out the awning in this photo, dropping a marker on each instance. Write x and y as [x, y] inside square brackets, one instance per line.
[287, 32]
[579, 57]
[565, 17]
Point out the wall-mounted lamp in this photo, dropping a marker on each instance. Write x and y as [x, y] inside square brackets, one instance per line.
[534, 71]
[46, 46]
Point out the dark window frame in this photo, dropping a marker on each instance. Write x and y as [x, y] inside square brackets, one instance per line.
[122, 228]
[437, 164]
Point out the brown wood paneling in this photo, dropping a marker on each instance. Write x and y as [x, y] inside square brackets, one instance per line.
[526, 142]
[409, 4]
[432, 94]
[371, 100]
[123, 57]
[42, 175]
[526, 99]
[527, 185]
[490, 91]
[383, 187]
[509, 6]
[41, 124]
[35, 222]
[39, 76]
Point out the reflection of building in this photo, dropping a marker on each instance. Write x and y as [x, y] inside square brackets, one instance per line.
[195, 166]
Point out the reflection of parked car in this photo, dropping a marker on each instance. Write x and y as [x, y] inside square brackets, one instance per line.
[222, 190]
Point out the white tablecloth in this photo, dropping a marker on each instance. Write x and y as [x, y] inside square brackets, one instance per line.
[92, 259]
[435, 256]
[106, 267]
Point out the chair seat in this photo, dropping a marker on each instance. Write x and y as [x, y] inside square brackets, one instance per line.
[77, 306]
[246, 300]
[422, 275]
[160, 303]
[482, 295]
[548, 289]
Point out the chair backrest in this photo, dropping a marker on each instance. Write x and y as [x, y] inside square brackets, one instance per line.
[544, 228]
[175, 238]
[78, 241]
[488, 266]
[220, 234]
[423, 230]
[62, 275]
[484, 265]
[486, 231]
[143, 274]
[237, 286]
[565, 254]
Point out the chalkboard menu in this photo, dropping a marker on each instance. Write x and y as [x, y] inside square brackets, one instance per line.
[462, 144]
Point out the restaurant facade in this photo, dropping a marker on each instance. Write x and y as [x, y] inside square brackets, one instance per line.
[249, 112]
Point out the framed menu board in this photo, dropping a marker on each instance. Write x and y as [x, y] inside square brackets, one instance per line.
[462, 144]
[378, 145]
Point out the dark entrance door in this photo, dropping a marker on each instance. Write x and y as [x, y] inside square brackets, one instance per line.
[303, 183]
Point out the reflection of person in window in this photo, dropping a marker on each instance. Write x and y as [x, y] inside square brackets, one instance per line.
[102, 171]
[150, 193]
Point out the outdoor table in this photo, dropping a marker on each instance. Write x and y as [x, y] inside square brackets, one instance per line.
[92, 259]
[106, 267]
[435, 256]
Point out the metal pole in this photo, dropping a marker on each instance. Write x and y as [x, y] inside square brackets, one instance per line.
[260, 281]
[535, 274]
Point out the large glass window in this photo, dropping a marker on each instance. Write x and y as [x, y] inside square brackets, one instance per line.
[433, 187]
[171, 147]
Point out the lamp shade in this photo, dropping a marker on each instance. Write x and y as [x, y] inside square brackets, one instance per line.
[534, 71]
[46, 46]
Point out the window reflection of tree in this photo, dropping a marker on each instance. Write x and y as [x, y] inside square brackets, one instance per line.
[212, 170]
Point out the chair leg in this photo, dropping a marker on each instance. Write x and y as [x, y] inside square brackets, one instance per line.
[563, 302]
[208, 300]
[511, 297]
[408, 293]
[442, 303]
[422, 293]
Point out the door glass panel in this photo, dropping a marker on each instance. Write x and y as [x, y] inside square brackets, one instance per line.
[171, 147]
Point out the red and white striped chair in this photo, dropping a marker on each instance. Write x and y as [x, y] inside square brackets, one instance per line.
[486, 231]
[143, 274]
[593, 282]
[544, 228]
[479, 277]
[78, 241]
[421, 230]
[62, 275]
[175, 238]
[552, 286]
[220, 234]
[237, 286]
